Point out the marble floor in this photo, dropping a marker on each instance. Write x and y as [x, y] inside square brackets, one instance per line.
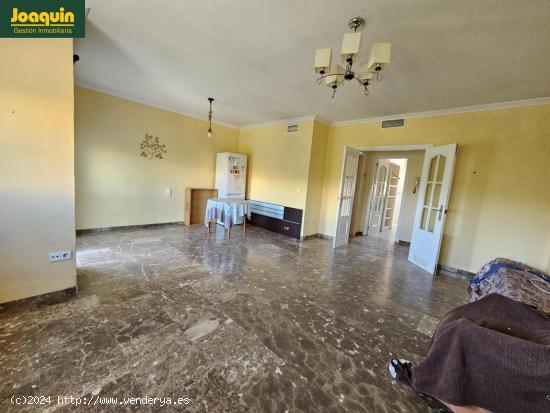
[262, 323]
[388, 235]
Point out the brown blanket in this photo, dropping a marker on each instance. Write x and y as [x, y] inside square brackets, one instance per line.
[492, 353]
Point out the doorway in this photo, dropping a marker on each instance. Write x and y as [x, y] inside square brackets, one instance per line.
[379, 196]
[386, 198]
[430, 189]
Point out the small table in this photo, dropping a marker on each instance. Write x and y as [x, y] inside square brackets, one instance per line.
[228, 211]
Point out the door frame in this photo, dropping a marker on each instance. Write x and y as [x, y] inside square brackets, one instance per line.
[378, 148]
[391, 148]
[395, 148]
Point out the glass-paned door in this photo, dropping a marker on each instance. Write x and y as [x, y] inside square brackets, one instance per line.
[346, 194]
[379, 191]
[433, 197]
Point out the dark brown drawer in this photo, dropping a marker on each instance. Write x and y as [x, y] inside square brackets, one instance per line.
[291, 229]
[265, 222]
[293, 215]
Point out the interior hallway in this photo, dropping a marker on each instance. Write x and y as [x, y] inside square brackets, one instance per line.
[388, 234]
[264, 323]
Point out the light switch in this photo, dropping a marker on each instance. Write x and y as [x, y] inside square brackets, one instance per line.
[168, 192]
[60, 256]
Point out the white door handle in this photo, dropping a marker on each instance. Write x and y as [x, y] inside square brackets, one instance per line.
[440, 210]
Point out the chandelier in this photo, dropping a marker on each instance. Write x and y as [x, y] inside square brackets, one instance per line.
[365, 73]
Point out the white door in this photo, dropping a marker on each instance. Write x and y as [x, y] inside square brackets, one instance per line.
[378, 195]
[433, 198]
[345, 200]
[391, 196]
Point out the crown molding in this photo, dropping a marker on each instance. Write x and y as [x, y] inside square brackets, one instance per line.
[324, 122]
[452, 111]
[142, 102]
[282, 122]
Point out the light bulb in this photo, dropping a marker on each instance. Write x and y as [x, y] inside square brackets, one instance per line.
[210, 134]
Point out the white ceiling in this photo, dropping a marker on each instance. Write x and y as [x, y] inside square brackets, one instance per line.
[255, 57]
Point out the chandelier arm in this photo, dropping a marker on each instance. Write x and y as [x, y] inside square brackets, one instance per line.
[318, 80]
[367, 92]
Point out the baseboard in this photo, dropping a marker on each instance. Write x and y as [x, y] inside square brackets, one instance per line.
[329, 237]
[312, 236]
[454, 272]
[54, 297]
[126, 227]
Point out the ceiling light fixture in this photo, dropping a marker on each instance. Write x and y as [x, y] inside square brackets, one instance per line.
[365, 74]
[210, 134]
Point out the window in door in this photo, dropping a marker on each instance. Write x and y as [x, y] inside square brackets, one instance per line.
[380, 189]
[431, 206]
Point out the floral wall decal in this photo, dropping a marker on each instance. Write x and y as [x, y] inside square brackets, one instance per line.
[152, 148]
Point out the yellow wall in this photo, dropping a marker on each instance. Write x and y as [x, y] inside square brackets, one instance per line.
[316, 176]
[500, 210]
[408, 203]
[499, 203]
[500, 197]
[36, 170]
[287, 168]
[278, 163]
[115, 186]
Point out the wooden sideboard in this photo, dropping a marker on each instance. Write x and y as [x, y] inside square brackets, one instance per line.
[195, 204]
[276, 218]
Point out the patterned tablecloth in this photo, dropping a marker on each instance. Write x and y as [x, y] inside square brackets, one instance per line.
[226, 210]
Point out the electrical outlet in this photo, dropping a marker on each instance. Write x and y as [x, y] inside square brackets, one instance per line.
[60, 256]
